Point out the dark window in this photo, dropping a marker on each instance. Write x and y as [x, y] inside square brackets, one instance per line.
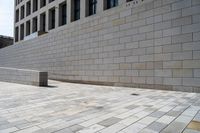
[51, 1]
[92, 7]
[42, 22]
[28, 8]
[111, 3]
[62, 14]
[16, 34]
[76, 10]
[51, 18]
[35, 24]
[42, 3]
[21, 31]
[22, 12]
[17, 16]
[28, 28]
[35, 5]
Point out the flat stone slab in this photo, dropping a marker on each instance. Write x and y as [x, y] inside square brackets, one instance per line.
[81, 108]
[24, 76]
[110, 121]
[195, 125]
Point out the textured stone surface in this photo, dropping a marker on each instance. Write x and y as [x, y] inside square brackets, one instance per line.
[153, 44]
[195, 125]
[69, 108]
[24, 76]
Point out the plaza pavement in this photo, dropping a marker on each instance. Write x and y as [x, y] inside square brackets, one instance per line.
[70, 108]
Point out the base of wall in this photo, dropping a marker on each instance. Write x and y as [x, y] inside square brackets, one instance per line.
[142, 86]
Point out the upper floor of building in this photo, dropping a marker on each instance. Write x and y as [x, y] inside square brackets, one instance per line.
[35, 17]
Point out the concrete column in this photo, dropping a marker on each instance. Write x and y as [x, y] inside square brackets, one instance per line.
[25, 10]
[82, 9]
[120, 2]
[100, 6]
[31, 6]
[69, 11]
[20, 31]
[38, 23]
[31, 26]
[19, 13]
[18, 34]
[38, 5]
[24, 29]
[14, 21]
[56, 16]
[47, 20]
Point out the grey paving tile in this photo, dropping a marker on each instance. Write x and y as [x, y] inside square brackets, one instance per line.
[5, 126]
[110, 121]
[9, 130]
[150, 109]
[146, 130]
[4, 122]
[31, 129]
[157, 126]
[134, 128]
[92, 129]
[197, 117]
[174, 113]
[157, 114]
[24, 125]
[76, 128]
[19, 122]
[131, 106]
[176, 127]
[190, 131]
[66, 130]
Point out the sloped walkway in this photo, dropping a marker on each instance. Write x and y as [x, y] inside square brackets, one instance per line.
[69, 108]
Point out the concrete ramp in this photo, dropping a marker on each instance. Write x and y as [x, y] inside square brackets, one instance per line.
[24, 76]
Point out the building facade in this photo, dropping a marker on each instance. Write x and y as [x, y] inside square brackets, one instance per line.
[36, 17]
[139, 43]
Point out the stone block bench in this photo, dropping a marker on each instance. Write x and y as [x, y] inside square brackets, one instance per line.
[24, 76]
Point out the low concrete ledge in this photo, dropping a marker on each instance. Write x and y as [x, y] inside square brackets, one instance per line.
[24, 76]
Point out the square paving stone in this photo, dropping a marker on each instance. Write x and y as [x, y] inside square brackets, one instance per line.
[157, 126]
[131, 107]
[174, 113]
[197, 117]
[4, 122]
[175, 127]
[76, 128]
[110, 121]
[150, 109]
[66, 130]
[190, 131]
[148, 131]
[157, 114]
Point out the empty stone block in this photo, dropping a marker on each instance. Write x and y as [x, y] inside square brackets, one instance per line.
[25, 76]
[182, 38]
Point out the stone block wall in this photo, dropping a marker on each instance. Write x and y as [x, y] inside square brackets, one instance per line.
[23, 76]
[149, 45]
